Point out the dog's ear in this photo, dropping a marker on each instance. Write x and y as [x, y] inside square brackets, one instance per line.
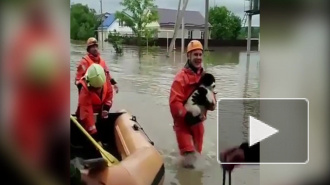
[207, 79]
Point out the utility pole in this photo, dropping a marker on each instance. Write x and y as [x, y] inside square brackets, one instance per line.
[206, 26]
[101, 24]
[178, 14]
[177, 25]
[249, 29]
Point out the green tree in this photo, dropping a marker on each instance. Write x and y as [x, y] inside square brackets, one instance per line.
[137, 14]
[116, 41]
[254, 32]
[225, 24]
[149, 35]
[83, 23]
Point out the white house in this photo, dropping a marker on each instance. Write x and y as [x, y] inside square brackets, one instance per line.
[194, 25]
[111, 24]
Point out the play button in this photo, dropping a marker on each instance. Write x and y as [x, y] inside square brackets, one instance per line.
[278, 128]
[259, 131]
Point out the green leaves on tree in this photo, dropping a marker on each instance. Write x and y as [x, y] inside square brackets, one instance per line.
[225, 24]
[137, 14]
[84, 22]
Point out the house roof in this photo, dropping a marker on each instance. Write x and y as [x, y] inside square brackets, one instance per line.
[104, 15]
[191, 18]
[108, 21]
[167, 17]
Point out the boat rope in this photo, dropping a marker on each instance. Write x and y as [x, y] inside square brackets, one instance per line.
[135, 127]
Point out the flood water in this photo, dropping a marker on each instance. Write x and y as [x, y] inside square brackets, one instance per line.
[144, 85]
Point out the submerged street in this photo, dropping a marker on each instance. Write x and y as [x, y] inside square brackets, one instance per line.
[144, 85]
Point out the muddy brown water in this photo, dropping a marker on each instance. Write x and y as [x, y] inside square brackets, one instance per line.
[144, 85]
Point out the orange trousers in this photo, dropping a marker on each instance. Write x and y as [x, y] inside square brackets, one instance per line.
[189, 139]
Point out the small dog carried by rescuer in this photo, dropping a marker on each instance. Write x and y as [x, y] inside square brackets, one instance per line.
[202, 99]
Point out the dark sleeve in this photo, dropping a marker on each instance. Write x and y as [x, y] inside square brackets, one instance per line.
[79, 85]
[112, 81]
[106, 107]
[96, 137]
[251, 154]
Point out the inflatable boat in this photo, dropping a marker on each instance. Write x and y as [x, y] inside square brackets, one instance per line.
[121, 135]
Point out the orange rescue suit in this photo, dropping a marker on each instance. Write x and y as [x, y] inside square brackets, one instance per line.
[88, 60]
[184, 84]
[37, 108]
[91, 101]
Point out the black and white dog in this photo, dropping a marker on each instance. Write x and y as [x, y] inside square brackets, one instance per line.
[202, 98]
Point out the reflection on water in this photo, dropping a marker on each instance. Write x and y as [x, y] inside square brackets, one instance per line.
[144, 85]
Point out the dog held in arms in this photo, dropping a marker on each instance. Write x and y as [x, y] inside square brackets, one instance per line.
[201, 100]
[203, 97]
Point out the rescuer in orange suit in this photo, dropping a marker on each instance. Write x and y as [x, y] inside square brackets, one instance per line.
[35, 63]
[189, 130]
[93, 56]
[95, 97]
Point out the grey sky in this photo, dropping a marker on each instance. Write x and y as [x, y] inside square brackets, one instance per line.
[236, 6]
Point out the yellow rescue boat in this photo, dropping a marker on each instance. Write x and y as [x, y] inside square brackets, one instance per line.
[139, 161]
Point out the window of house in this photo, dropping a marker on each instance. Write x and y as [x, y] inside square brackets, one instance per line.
[121, 23]
[202, 34]
[190, 34]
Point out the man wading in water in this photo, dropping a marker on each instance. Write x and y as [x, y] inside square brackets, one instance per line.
[93, 56]
[189, 130]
